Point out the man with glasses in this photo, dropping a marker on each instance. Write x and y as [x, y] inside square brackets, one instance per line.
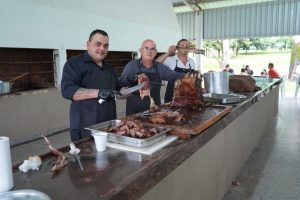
[156, 72]
[85, 79]
[179, 62]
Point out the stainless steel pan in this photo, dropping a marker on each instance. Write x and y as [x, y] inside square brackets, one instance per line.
[5, 86]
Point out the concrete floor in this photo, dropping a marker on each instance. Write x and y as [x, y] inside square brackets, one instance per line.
[271, 172]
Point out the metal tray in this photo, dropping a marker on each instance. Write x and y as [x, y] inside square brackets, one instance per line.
[23, 195]
[221, 98]
[135, 142]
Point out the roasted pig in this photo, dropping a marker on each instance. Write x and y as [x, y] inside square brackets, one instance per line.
[188, 91]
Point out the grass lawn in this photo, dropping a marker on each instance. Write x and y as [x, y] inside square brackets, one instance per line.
[257, 61]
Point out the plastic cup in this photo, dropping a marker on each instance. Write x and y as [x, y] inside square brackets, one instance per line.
[100, 140]
[101, 160]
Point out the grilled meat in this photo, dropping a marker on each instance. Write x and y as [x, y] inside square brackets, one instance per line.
[132, 128]
[145, 91]
[165, 117]
[188, 91]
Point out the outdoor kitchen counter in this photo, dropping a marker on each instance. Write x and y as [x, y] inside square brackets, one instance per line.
[200, 168]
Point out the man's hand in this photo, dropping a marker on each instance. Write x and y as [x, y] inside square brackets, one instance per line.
[172, 50]
[108, 95]
[132, 78]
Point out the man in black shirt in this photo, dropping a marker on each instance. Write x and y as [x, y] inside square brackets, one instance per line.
[85, 79]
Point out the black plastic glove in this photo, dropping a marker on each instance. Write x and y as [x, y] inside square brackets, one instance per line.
[132, 78]
[108, 95]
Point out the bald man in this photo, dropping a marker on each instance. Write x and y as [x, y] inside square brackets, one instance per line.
[155, 71]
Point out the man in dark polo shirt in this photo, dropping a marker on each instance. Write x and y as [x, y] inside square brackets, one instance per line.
[155, 71]
[85, 79]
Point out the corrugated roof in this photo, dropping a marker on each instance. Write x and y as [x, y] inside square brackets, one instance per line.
[196, 5]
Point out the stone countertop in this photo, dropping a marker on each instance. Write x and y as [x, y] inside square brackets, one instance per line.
[116, 174]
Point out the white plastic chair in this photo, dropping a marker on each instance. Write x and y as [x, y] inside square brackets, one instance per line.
[297, 78]
[282, 86]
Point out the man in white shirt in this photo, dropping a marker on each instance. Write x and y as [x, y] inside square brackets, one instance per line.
[179, 62]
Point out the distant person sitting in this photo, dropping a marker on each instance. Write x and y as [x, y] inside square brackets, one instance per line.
[264, 72]
[248, 70]
[228, 69]
[244, 72]
[272, 72]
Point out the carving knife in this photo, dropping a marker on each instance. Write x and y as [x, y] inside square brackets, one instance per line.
[123, 94]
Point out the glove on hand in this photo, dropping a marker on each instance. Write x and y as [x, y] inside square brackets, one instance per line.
[132, 78]
[108, 95]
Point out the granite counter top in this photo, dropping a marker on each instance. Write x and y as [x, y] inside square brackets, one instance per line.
[116, 174]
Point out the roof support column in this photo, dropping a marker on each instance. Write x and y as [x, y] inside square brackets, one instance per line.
[60, 58]
[199, 39]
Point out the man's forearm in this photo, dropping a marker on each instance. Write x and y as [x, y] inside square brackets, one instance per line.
[82, 94]
[171, 51]
[163, 57]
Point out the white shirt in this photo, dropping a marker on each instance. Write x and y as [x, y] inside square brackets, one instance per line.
[171, 63]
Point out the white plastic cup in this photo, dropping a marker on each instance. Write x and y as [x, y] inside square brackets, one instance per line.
[101, 160]
[100, 140]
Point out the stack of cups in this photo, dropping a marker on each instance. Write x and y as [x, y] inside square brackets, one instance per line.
[6, 181]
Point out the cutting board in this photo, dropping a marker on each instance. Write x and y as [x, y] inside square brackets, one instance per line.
[194, 121]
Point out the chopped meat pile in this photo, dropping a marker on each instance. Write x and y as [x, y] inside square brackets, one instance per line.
[188, 91]
[145, 91]
[132, 128]
[165, 117]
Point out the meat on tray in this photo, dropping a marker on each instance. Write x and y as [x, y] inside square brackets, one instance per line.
[164, 117]
[132, 128]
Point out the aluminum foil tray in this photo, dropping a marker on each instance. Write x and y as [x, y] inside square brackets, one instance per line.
[130, 141]
[221, 98]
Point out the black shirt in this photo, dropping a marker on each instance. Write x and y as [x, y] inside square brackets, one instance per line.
[82, 72]
[78, 67]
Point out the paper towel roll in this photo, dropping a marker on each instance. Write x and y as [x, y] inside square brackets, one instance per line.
[6, 181]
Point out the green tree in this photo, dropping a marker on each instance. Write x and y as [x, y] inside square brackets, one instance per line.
[259, 43]
[243, 44]
[295, 54]
[215, 45]
[284, 42]
[238, 44]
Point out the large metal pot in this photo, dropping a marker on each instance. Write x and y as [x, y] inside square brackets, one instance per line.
[217, 82]
[5, 87]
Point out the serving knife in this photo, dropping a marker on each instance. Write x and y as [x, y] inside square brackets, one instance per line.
[123, 94]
